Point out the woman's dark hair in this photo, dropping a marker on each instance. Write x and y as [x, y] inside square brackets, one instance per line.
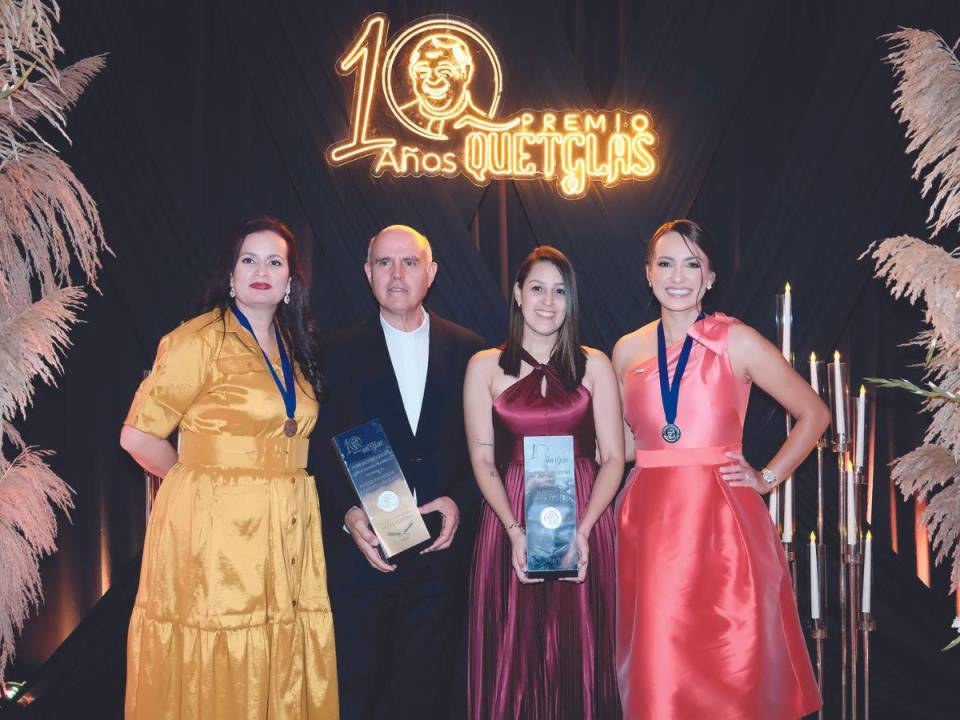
[568, 355]
[691, 233]
[296, 323]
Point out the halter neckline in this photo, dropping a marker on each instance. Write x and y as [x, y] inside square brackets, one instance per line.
[532, 361]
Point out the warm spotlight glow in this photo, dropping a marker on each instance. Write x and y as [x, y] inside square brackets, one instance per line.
[441, 81]
[104, 544]
[922, 542]
[894, 529]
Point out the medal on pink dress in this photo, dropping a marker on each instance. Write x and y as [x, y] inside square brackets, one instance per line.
[670, 391]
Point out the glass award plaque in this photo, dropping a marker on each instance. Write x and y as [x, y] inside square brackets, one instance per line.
[368, 459]
[550, 506]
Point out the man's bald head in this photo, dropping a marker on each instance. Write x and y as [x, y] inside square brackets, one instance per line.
[400, 269]
[418, 237]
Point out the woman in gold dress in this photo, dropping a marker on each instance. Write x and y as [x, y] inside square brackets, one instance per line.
[232, 618]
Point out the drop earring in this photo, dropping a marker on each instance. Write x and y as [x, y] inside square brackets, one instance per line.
[286, 298]
[233, 293]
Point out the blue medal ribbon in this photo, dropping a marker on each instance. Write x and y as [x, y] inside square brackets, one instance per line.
[670, 391]
[287, 389]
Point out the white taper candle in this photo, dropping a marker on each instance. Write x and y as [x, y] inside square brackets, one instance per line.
[838, 398]
[814, 579]
[851, 507]
[861, 423]
[788, 509]
[787, 321]
[867, 573]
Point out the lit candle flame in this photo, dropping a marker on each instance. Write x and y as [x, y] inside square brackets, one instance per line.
[813, 536]
[836, 356]
[813, 357]
[869, 535]
[863, 390]
[787, 288]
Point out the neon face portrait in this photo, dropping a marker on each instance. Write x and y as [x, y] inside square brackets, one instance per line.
[441, 70]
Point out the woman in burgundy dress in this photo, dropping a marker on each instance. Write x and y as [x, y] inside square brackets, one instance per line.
[707, 624]
[542, 650]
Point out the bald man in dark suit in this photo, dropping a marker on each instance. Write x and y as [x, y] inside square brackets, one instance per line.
[400, 628]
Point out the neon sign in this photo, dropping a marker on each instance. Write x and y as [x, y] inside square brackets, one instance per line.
[427, 105]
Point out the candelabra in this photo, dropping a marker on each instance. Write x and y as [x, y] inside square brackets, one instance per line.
[847, 438]
[818, 546]
[848, 441]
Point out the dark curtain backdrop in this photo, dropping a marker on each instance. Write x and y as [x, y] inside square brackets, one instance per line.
[775, 132]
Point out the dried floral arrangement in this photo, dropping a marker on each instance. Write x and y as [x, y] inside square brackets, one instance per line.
[47, 221]
[928, 102]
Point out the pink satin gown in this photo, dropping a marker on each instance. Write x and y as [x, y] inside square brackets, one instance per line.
[542, 651]
[707, 625]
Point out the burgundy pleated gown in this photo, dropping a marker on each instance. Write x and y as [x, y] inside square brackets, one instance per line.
[542, 651]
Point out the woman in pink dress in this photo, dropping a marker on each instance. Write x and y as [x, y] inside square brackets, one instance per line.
[707, 625]
[542, 650]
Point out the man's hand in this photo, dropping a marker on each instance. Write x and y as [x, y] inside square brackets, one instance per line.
[451, 521]
[358, 524]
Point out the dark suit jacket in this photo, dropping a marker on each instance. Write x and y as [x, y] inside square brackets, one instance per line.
[363, 386]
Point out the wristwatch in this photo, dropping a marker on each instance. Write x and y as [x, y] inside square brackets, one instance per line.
[769, 476]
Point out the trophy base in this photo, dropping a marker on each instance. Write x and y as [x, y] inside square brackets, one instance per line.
[551, 574]
[434, 523]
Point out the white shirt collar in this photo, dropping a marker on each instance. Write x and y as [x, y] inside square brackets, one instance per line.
[391, 330]
[409, 355]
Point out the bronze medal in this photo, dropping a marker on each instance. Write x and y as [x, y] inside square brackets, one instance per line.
[290, 427]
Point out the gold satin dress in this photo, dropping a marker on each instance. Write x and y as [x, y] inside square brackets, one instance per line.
[232, 619]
